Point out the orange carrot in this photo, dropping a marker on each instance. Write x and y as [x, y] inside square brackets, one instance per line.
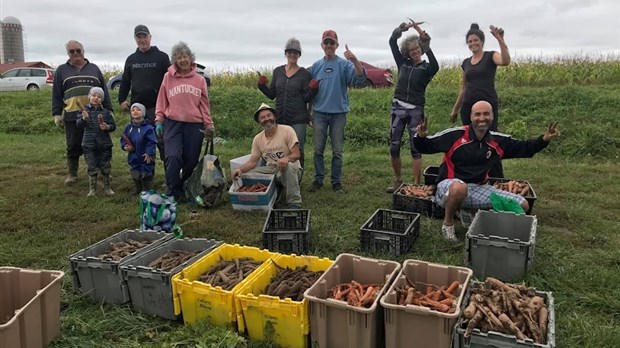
[453, 286]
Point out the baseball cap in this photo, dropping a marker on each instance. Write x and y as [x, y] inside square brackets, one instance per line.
[141, 29]
[330, 34]
[293, 44]
[262, 107]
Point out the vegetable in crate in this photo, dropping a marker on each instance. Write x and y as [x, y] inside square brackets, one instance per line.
[228, 273]
[420, 191]
[259, 187]
[356, 294]
[292, 283]
[513, 186]
[442, 299]
[507, 308]
[120, 250]
[171, 259]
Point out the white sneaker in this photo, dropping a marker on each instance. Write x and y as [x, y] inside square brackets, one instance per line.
[465, 216]
[448, 232]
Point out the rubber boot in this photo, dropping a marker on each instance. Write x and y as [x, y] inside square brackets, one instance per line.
[106, 185]
[137, 186]
[72, 169]
[92, 185]
[146, 183]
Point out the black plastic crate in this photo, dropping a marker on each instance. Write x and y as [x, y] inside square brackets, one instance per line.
[390, 231]
[530, 198]
[430, 175]
[287, 231]
[411, 204]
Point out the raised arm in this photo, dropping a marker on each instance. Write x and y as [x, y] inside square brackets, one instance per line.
[503, 57]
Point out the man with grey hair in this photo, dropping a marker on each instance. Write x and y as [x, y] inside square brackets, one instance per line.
[72, 82]
[142, 74]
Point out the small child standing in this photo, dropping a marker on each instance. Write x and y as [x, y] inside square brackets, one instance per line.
[140, 142]
[96, 143]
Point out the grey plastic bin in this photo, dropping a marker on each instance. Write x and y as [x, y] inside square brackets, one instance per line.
[501, 245]
[101, 280]
[495, 339]
[151, 290]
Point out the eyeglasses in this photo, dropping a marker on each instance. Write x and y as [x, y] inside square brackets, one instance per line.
[75, 51]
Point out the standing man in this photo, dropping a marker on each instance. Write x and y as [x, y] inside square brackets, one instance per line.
[72, 82]
[143, 72]
[278, 146]
[330, 106]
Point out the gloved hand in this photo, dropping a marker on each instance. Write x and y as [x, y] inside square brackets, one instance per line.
[209, 132]
[159, 129]
[398, 32]
[60, 123]
[314, 84]
[262, 80]
[425, 42]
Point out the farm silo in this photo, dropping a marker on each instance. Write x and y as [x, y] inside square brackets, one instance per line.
[12, 40]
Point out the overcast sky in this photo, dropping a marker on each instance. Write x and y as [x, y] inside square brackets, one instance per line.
[249, 34]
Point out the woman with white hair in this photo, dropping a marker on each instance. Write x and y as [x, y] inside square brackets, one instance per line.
[182, 117]
[290, 87]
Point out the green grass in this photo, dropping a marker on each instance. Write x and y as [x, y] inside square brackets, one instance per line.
[577, 254]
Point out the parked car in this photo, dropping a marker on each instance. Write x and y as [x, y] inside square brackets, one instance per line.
[377, 77]
[114, 83]
[26, 79]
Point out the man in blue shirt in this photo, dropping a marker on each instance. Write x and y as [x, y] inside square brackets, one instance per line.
[330, 106]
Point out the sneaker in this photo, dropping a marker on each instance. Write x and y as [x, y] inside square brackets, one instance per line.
[448, 232]
[465, 216]
[315, 186]
[395, 185]
[337, 187]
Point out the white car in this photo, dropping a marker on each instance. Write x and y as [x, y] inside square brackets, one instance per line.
[26, 79]
[114, 83]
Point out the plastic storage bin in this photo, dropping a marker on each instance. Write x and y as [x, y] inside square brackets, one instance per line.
[202, 301]
[254, 200]
[430, 175]
[480, 339]
[411, 204]
[501, 245]
[390, 231]
[268, 317]
[416, 326]
[151, 290]
[238, 162]
[287, 231]
[334, 323]
[530, 198]
[102, 280]
[30, 304]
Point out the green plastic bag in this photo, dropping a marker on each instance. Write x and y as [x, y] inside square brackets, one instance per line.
[505, 204]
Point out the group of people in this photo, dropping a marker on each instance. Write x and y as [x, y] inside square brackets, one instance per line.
[170, 110]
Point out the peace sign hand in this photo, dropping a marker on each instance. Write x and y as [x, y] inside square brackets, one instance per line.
[422, 128]
[552, 132]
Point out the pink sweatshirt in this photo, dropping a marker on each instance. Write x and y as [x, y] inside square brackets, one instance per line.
[183, 98]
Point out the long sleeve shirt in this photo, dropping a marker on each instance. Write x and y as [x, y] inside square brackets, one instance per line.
[291, 94]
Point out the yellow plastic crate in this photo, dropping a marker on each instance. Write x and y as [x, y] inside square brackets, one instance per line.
[268, 317]
[201, 301]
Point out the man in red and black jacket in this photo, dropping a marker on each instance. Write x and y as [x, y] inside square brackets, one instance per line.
[469, 153]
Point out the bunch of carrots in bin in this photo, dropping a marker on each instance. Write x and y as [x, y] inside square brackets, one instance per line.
[420, 191]
[443, 299]
[512, 309]
[356, 294]
[514, 186]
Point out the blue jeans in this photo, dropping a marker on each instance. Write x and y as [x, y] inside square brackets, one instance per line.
[336, 124]
[300, 130]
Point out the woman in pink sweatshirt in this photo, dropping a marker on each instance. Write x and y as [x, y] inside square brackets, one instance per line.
[182, 117]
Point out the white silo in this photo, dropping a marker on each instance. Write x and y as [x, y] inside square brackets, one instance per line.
[12, 40]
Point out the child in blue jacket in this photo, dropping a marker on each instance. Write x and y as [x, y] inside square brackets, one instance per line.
[140, 142]
[98, 123]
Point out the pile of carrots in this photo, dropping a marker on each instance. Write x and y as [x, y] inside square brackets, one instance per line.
[356, 294]
[420, 191]
[513, 186]
[507, 308]
[253, 188]
[442, 299]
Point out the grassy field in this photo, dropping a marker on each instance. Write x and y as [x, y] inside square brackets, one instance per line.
[577, 254]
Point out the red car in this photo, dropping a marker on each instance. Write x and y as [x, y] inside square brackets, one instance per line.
[377, 77]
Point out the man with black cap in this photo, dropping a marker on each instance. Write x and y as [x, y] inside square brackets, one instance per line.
[278, 146]
[143, 72]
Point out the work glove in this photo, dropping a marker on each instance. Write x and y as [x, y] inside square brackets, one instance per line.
[314, 84]
[209, 132]
[262, 80]
[398, 32]
[425, 43]
[159, 129]
[60, 123]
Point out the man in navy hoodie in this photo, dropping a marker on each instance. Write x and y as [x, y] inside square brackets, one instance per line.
[143, 72]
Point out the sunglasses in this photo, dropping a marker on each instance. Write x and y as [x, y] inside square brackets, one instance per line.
[75, 51]
[329, 42]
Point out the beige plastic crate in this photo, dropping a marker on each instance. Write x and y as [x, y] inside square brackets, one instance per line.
[416, 326]
[29, 307]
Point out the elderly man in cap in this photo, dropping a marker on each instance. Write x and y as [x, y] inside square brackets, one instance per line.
[143, 73]
[72, 83]
[330, 106]
[278, 146]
